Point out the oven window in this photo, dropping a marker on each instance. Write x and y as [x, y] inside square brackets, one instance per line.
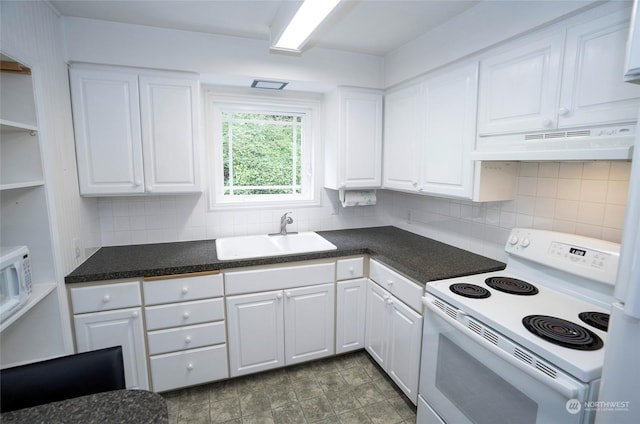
[479, 393]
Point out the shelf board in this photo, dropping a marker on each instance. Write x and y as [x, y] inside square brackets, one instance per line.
[23, 184]
[40, 291]
[7, 125]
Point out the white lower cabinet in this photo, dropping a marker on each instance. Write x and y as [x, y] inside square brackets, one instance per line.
[186, 330]
[110, 315]
[393, 337]
[351, 300]
[256, 332]
[189, 367]
[283, 327]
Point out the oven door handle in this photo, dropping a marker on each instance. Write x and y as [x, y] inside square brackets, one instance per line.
[562, 385]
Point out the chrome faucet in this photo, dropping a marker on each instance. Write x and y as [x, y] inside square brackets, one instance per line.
[284, 220]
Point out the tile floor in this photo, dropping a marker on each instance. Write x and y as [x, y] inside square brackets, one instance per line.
[349, 388]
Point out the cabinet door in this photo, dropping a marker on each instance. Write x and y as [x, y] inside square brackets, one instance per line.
[256, 332]
[376, 322]
[593, 91]
[402, 132]
[169, 112]
[405, 340]
[107, 130]
[309, 323]
[116, 328]
[450, 132]
[351, 300]
[519, 87]
[361, 139]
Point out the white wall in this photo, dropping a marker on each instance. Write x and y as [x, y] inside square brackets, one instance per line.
[97, 41]
[586, 198]
[482, 26]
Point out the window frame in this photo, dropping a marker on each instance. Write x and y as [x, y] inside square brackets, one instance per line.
[219, 102]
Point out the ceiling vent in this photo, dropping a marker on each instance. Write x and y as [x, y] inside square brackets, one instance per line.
[269, 85]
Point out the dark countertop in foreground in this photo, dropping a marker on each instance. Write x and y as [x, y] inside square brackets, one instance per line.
[418, 257]
[115, 407]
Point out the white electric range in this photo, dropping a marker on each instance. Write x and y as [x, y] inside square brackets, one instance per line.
[523, 345]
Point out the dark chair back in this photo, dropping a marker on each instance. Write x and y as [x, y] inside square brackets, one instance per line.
[61, 378]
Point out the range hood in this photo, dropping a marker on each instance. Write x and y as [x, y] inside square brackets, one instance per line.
[595, 143]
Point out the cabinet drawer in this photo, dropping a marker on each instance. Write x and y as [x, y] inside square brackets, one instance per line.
[350, 268]
[105, 297]
[182, 289]
[185, 313]
[193, 336]
[187, 368]
[260, 280]
[401, 287]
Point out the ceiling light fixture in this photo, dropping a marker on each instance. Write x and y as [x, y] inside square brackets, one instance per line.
[269, 85]
[304, 22]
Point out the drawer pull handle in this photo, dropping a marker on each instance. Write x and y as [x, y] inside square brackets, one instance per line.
[134, 314]
[185, 290]
[187, 339]
[351, 270]
[185, 315]
[189, 366]
[106, 298]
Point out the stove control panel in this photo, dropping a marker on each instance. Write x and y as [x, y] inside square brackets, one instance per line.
[591, 258]
[579, 255]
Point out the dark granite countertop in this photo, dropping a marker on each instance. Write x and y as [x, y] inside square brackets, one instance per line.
[419, 258]
[115, 407]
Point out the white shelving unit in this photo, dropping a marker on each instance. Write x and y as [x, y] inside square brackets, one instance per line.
[35, 331]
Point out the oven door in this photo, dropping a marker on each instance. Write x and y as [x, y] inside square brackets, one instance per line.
[466, 378]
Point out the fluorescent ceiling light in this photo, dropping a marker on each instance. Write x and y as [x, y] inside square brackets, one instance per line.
[305, 21]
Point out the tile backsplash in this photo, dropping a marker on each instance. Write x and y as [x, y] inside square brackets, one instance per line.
[586, 198]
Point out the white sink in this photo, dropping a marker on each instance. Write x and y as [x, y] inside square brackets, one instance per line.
[260, 246]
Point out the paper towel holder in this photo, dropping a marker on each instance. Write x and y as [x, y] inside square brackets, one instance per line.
[342, 194]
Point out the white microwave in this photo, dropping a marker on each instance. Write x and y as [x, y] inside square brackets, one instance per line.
[15, 280]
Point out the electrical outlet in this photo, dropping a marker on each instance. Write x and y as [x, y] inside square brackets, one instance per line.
[77, 250]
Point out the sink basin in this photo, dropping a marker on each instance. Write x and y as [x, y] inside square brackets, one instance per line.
[260, 246]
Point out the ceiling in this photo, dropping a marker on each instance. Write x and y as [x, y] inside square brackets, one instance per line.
[362, 26]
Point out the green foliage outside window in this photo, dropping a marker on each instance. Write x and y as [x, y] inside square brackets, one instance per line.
[262, 153]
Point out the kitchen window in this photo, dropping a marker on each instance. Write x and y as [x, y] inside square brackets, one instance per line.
[262, 150]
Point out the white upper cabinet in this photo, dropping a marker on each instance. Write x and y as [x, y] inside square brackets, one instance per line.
[632, 63]
[136, 131]
[403, 130]
[519, 86]
[450, 102]
[566, 78]
[593, 90]
[353, 150]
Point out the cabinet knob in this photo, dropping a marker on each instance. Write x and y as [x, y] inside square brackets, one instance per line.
[288, 294]
[149, 189]
[134, 314]
[389, 301]
[187, 339]
[546, 122]
[185, 290]
[279, 296]
[385, 297]
[563, 111]
[351, 270]
[189, 366]
[414, 183]
[106, 298]
[389, 283]
[137, 183]
[185, 315]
